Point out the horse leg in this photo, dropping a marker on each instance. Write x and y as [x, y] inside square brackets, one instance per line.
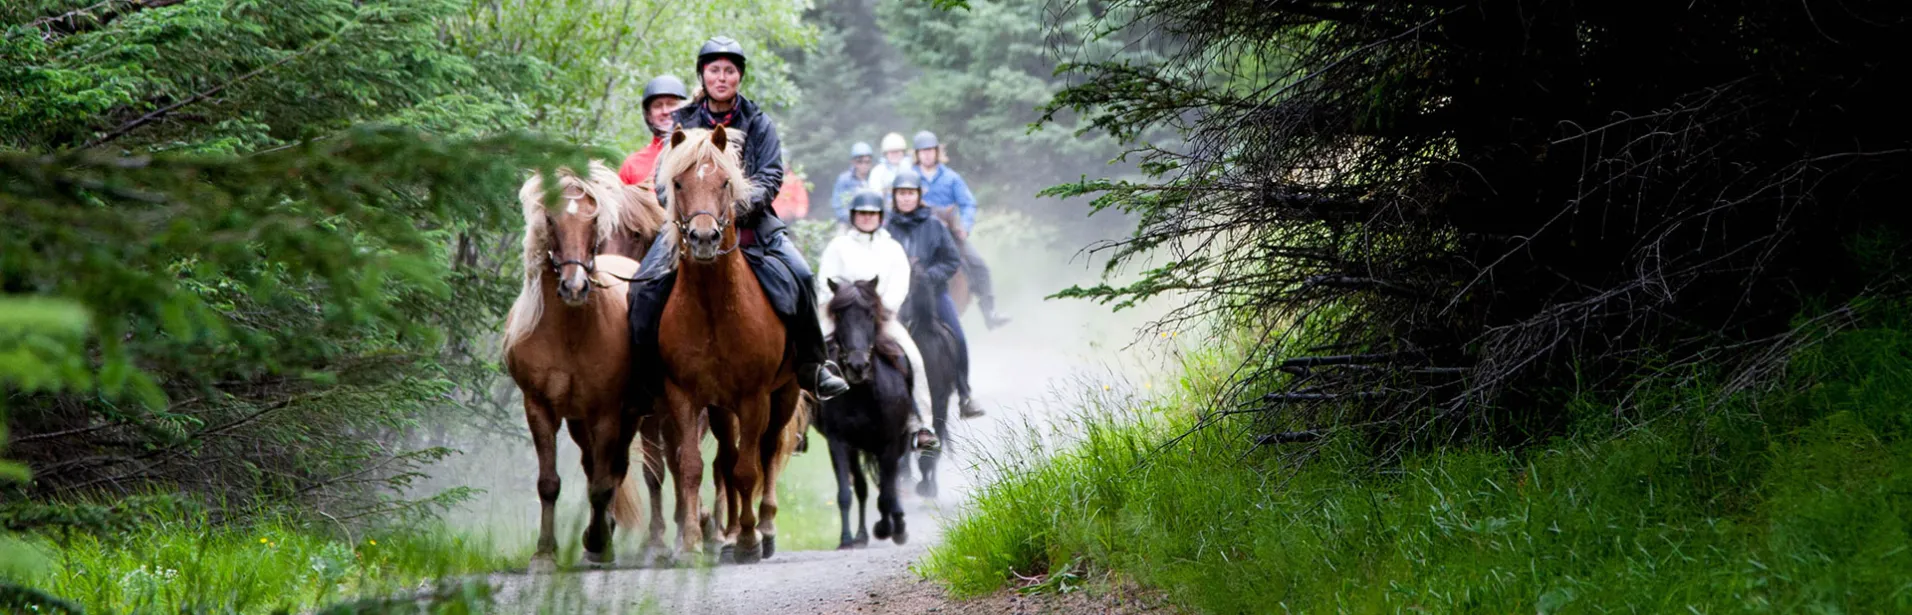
[887, 503]
[722, 527]
[778, 445]
[753, 417]
[596, 535]
[940, 390]
[841, 458]
[544, 430]
[652, 430]
[610, 461]
[687, 466]
[883, 529]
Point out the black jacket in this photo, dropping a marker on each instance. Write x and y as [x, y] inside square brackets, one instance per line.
[928, 244]
[762, 158]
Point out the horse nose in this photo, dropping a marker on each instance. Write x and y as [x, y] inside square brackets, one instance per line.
[573, 291]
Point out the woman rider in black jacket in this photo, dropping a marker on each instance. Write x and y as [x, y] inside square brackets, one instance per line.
[780, 268]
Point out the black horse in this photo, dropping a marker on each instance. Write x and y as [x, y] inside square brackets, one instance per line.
[870, 419]
[943, 362]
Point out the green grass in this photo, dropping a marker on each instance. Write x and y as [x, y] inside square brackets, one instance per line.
[1794, 499]
[179, 564]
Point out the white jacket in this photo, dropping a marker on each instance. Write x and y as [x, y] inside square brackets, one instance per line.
[856, 255]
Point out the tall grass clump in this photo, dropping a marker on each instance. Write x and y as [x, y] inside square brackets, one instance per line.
[175, 560]
[1796, 496]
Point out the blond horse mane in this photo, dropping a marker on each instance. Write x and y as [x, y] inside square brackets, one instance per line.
[616, 213]
[697, 147]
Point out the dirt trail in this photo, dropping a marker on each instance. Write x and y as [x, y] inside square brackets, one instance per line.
[1027, 375]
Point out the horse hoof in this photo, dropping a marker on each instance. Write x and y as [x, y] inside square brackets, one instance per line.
[926, 489]
[862, 540]
[543, 564]
[769, 546]
[750, 555]
[900, 538]
[727, 554]
[599, 560]
[882, 529]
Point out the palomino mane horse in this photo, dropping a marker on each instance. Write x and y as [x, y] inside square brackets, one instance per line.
[869, 420]
[959, 283]
[567, 345]
[722, 346]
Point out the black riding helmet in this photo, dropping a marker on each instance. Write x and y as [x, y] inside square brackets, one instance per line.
[720, 47]
[664, 85]
[868, 202]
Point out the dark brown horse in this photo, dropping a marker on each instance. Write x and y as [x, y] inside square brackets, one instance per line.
[567, 344]
[723, 351]
[959, 283]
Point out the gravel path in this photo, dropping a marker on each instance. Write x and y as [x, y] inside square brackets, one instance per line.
[1029, 376]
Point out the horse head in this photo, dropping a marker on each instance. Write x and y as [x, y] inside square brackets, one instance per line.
[567, 235]
[707, 185]
[858, 312]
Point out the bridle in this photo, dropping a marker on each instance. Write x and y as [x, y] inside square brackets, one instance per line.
[590, 264]
[723, 222]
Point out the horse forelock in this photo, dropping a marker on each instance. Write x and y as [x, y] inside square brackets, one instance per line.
[699, 156]
[854, 296]
[614, 209]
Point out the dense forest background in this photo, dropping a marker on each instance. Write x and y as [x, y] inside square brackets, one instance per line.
[256, 251]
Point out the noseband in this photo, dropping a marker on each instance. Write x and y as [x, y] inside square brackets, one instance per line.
[590, 265]
[723, 222]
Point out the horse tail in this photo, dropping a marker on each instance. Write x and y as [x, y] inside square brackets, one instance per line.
[624, 505]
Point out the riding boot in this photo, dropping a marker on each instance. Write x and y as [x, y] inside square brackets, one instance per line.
[815, 371]
[648, 294]
[982, 285]
[946, 310]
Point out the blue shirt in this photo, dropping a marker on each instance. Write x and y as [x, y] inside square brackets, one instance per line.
[847, 186]
[943, 187]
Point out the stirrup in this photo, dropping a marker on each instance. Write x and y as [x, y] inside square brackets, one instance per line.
[825, 383]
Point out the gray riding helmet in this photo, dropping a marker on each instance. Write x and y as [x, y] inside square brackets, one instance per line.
[925, 140]
[664, 85]
[721, 47]
[906, 178]
[860, 150]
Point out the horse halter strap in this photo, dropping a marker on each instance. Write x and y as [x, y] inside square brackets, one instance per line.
[723, 222]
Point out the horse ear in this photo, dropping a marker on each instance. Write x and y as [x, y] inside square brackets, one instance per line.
[718, 138]
[677, 137]
[833, 284]
[874, 280]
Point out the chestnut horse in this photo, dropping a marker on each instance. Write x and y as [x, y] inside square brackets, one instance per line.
[722, 347]
[959, 283]
[568, 345]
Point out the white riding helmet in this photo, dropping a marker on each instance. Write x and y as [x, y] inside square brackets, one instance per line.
[894, 143]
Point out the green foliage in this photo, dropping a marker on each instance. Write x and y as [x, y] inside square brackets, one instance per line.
[1793, 498]
[983, 74]
[230, 76]
[175, 561]
[591, 58]
[294, 297]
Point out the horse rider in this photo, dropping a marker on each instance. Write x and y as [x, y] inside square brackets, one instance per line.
[779, 268]
[854, 180]
[935, 256]
[868, 252]
[662, 95]
[944, 187]
[895, 158]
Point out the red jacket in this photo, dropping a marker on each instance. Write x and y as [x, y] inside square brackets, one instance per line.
[639, 166]
[793, 201]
